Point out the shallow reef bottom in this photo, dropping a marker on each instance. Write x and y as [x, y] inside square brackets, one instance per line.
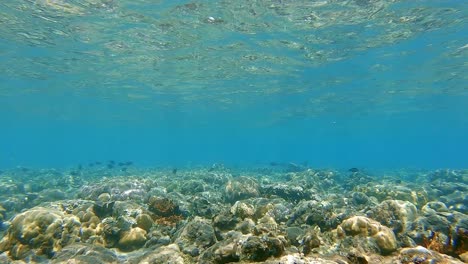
[233, 215]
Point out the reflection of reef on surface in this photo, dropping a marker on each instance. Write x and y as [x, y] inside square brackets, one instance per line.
[218, 215]
[244, 42]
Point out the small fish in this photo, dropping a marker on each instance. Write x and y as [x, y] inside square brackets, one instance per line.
[80, 167]
[91, 164]
[111, 162]
[273, 164]
[398, 181]
[129, 163]
[110, 166]
[353, 170]
[124, 169]
[174, 171]
[73, 173]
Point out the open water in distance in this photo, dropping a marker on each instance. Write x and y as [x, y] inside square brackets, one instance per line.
[376, 84]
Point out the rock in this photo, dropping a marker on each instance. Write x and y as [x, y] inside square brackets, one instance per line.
[464, 257]
[363, 226]
[300, 259]
[157, 238]
[110, 232]
[133, 239]
[162, 206]
[359, 198]
[224, 222]
[426, 225]
[286, 191]
[125, 223]
[5, 259]
[202, 207]
[127, 208]
[92, 191]
[257, 249]
[276, 245]
[192, 187]
[196, 236]
[310, 240]
[423, 255]
[242, 210]
[240, 188]
[294, 234]
[417, 195]
[266, 224]
[144, 222]
[246, 227]
[254, 249]
[278, 208]
[320, 213]
[169, 254]
[397, 214]
[433, 207]
[386, 240]
[222, 252]
[135, 193]
[81, 253]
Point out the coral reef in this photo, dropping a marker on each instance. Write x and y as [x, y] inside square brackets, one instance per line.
[40, 231]
[216, 215]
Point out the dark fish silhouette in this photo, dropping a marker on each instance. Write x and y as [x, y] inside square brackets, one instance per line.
[73, 173]
[124, 169]
[111, 162]
[110, 166]
[353, 170]
[174, 171]
[273, 164]
[103, 209]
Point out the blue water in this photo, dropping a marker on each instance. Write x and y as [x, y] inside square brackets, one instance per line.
[362, 101]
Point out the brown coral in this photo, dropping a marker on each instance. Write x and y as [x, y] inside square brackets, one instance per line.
[454, 246]
[163, 206]
[165, 211]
